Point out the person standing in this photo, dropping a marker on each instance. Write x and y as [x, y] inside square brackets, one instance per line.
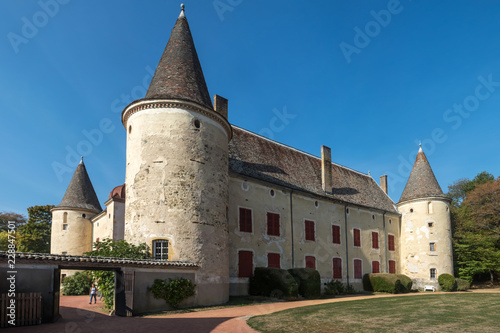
[93, 293]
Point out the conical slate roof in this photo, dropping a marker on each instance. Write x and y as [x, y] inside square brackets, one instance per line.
[80, 192]
[179, 74]
[422, 182]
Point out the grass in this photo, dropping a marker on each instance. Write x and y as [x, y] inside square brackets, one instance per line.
[454, 312]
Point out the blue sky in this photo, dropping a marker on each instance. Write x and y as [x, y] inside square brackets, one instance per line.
[367, 78]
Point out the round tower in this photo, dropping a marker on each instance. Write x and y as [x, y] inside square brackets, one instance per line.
[426, 243]
[71, 227]
[177, 168]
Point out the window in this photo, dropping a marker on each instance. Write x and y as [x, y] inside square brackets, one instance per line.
[160, 247]
[310, 262]
[392, 266]
[64, 253]
[273, 260]
[433, 273]
[245, 220]
[309, 230]
[358, 269]
[273, 224]
[429, 208]
[430, 224]
[337, 268]
[63, 276]
[357, 237]
[391, 243]
[375, 240]
[375, 267]
[432, 246]
[65, 227]
[245, 264]
[336, 234]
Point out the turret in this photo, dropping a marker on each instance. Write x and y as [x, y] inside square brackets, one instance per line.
[177, 168]
[71, 227]
[426, 244]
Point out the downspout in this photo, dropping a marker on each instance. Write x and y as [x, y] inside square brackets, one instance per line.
[291, 227]
[385, 242]
[346, 245]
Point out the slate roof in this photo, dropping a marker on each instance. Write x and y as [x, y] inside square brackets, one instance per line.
[80, 192]
[179, 74]
[255, 156]
[422, 183]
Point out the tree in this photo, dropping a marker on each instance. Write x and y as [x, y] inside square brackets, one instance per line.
[6, 217]
[475, 215]
[116, 249]
[34, 236]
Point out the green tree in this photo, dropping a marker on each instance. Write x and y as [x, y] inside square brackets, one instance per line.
[34, 236]
[116, 249]
[78, 284]
[475, 215]
[6, 217]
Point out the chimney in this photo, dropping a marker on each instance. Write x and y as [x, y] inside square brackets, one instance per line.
[383, 183]
[326, 169]
[220, 105]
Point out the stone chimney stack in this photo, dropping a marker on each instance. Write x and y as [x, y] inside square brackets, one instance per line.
[220, 105]
[383, 183]
[326, 169]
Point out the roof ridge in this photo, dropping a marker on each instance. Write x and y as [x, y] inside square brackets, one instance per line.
[298, 150]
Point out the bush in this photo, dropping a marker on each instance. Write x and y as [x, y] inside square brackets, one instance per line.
[447, 282]
[462, 285]
[78, 284]
[334, 287]
[174, 291]
[273, 282]
[385, 282]
[308, 280]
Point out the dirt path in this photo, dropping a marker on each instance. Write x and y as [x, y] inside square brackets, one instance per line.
[78, 316]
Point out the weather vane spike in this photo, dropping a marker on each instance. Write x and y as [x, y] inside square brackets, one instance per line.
[182, 11]
[182, 6]
[81, 159]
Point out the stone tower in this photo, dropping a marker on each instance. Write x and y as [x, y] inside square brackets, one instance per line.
[177, 168]
[426, 245]
[71, 227]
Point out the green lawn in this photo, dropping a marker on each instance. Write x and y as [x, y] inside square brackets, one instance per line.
[453, 312]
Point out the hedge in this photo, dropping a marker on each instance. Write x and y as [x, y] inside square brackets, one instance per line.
[385, 282]
[462, 285]
[308, 280]
[273, 282]
[447, 282]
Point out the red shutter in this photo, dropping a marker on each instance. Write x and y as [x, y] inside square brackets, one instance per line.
[309, 230]
[357, 269]
[336, 234]
[245, 220]
[273, 260]
[375, 267]
[310, 262]
[245, 263]
[357, 237]
[391, 243]
[337, 268]
[375, 240]
[273, 224]
[392, 266]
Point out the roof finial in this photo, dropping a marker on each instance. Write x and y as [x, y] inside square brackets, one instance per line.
[81, 161]
[420, 147]
[182, 10]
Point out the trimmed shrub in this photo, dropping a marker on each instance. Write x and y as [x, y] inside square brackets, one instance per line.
[447, 282]
[308, 280]
[78, 284]
[405, 281]
[462, 285]
[385, 282]
[273, 282]
[173, 291]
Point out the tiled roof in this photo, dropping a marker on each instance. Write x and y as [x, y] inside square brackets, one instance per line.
[422, 183]
[179, 74]
[257, 157]
[80, 192]
[118, 192]
[62, 259]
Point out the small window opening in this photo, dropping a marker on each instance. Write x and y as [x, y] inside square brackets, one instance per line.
[130, 129]
[197, 123]
[65, 227]
[84, 215]
[347, 211]
[430, 224]
[411, 210]
[316, 204]
[373, 217]
[272, 193]
[432, 246]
